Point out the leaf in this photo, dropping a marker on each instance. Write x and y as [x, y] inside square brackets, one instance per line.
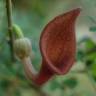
[17, 92]
[93, 68]
[89, 44]
[92, 19]
[54, 85]
[5, 84]
[91, 56]
[93, 29]
[71, 82]
[80, 54]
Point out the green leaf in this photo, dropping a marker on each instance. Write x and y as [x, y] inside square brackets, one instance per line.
[71, 82]
[92, 19]
[54, 85]
[91, 56]
[5, 84]
[93, 69]
[17, 92]
[80, 54]
[93, 29]
[89, 44]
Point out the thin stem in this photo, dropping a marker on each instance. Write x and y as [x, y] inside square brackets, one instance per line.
[9, 18]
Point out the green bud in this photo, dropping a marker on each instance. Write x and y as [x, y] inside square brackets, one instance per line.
[17, 31]
[22, 47]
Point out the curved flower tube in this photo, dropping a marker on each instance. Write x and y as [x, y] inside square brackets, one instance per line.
[58, 48]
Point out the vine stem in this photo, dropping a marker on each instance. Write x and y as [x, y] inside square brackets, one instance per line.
[9, 18]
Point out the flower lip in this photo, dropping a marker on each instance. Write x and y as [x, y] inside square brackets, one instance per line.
[77, 10]
[74, 13]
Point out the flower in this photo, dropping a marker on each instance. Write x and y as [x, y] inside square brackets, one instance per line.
[57, 46]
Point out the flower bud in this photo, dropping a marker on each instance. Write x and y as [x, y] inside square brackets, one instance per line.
[22, 47]
[17, 31]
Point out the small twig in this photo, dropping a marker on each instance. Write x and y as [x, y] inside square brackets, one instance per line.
[9, 18]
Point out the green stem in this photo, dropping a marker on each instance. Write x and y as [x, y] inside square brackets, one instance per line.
[9, 18]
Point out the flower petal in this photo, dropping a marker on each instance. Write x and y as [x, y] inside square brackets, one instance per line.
[57, 42]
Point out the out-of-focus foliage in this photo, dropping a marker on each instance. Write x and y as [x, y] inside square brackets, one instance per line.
[32, 16]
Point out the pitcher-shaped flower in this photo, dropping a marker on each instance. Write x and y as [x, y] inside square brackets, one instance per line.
[58, 48]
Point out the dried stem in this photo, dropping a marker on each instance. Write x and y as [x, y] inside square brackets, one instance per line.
[9, 18]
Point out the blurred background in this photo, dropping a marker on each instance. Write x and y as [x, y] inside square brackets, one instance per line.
[32, 16]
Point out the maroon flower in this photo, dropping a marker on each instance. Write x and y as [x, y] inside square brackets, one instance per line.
[58, 47]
